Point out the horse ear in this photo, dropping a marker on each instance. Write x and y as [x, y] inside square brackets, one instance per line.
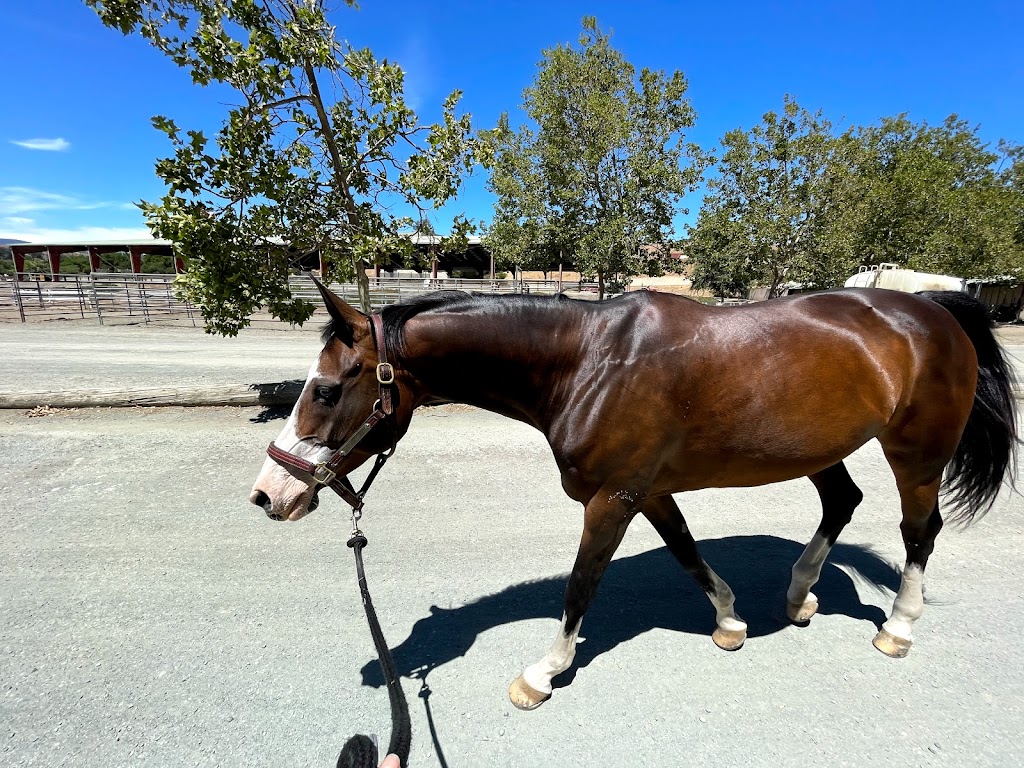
[341, 311]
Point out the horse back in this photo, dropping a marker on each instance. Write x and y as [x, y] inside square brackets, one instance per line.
[727, 396]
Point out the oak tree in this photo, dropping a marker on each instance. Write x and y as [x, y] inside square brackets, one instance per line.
[773, 207]
[598, 174]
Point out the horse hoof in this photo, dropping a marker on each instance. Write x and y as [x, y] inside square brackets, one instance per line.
[890, 645]
[800, 613]
[729, 639]
[524, 696]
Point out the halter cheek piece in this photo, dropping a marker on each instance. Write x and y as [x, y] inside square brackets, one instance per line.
[326, 472]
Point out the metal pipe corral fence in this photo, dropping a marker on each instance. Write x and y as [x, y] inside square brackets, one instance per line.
[114, 297]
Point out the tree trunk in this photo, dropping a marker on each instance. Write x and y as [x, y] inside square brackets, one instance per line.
[363, 284]
[600, 285]
[340, 179]
[773, 292]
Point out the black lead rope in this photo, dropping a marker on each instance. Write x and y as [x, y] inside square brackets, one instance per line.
[360, 751]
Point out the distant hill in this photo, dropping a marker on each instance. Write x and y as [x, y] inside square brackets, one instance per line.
[9, 241]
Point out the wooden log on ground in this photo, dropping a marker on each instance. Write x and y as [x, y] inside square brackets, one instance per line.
[280, 393]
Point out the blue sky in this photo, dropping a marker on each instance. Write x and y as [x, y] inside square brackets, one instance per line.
[77, 148]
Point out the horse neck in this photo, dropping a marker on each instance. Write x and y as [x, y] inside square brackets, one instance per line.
[507, 358]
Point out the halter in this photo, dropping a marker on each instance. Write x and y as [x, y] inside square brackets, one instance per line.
[326, 472]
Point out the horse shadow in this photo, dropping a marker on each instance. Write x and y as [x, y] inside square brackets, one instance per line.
[651, 591]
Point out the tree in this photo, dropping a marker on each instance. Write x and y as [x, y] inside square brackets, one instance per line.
[524, 234]
[934, 198]
[774, 210]
[320, 149]
[6, 260]
[599, 175]
[1011, 178]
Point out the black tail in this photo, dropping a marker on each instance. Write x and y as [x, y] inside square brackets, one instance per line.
[986, 455]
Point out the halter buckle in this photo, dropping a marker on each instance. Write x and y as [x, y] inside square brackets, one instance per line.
[385, 373]
[324, 474]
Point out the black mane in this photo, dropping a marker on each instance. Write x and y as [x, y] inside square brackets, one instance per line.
[395, 316]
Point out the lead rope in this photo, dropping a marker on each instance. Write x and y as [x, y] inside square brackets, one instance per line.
[360, 751]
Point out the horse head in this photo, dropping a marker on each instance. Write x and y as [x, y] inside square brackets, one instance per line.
[342, 389]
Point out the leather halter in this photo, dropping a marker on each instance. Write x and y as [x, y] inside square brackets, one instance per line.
[326, 472]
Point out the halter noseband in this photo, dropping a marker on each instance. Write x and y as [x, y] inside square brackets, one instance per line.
[326, 472]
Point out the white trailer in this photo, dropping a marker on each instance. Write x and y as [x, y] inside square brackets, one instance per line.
[896, 278]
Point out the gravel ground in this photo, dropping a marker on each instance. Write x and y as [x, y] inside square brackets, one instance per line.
[151, 616]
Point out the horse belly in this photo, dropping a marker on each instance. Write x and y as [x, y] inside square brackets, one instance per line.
[758, 435]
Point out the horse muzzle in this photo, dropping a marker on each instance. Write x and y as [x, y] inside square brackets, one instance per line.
[299, 508]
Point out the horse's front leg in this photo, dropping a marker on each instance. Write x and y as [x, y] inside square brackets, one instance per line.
[607, 515]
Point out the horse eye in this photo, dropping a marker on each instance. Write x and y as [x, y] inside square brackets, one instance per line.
[325, 395]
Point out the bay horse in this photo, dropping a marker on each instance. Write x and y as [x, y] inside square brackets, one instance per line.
[650, 394]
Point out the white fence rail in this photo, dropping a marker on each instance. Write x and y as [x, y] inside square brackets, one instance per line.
[120, 297]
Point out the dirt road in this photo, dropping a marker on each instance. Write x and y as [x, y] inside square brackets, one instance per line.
[151, 616]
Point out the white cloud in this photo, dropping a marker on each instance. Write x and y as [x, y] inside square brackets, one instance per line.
[15, 200]
[33, 234]
[25, 215]
[47, 145]
[415, 61]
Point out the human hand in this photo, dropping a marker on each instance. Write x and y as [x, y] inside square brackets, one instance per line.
[391, 761]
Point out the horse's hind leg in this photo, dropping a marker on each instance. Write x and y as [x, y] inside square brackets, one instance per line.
[921, 524]
[839, 498]
[604, 524]
[668, 521]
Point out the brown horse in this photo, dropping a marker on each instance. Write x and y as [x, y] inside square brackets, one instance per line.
[650, 394]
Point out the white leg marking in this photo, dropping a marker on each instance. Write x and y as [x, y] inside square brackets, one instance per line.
[724, 600]
[559, 658]
[909, 603]
[807, 570]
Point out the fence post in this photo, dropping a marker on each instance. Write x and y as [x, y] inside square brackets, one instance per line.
[142, 296]
[81, 295]
[17, 297]
[95, 298]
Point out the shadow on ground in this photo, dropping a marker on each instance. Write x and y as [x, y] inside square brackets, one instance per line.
[651, 591]
[272, 413]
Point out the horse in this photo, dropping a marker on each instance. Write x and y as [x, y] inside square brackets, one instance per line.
[650, 394]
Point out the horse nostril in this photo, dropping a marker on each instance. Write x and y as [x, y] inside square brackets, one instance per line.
[260, 499]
